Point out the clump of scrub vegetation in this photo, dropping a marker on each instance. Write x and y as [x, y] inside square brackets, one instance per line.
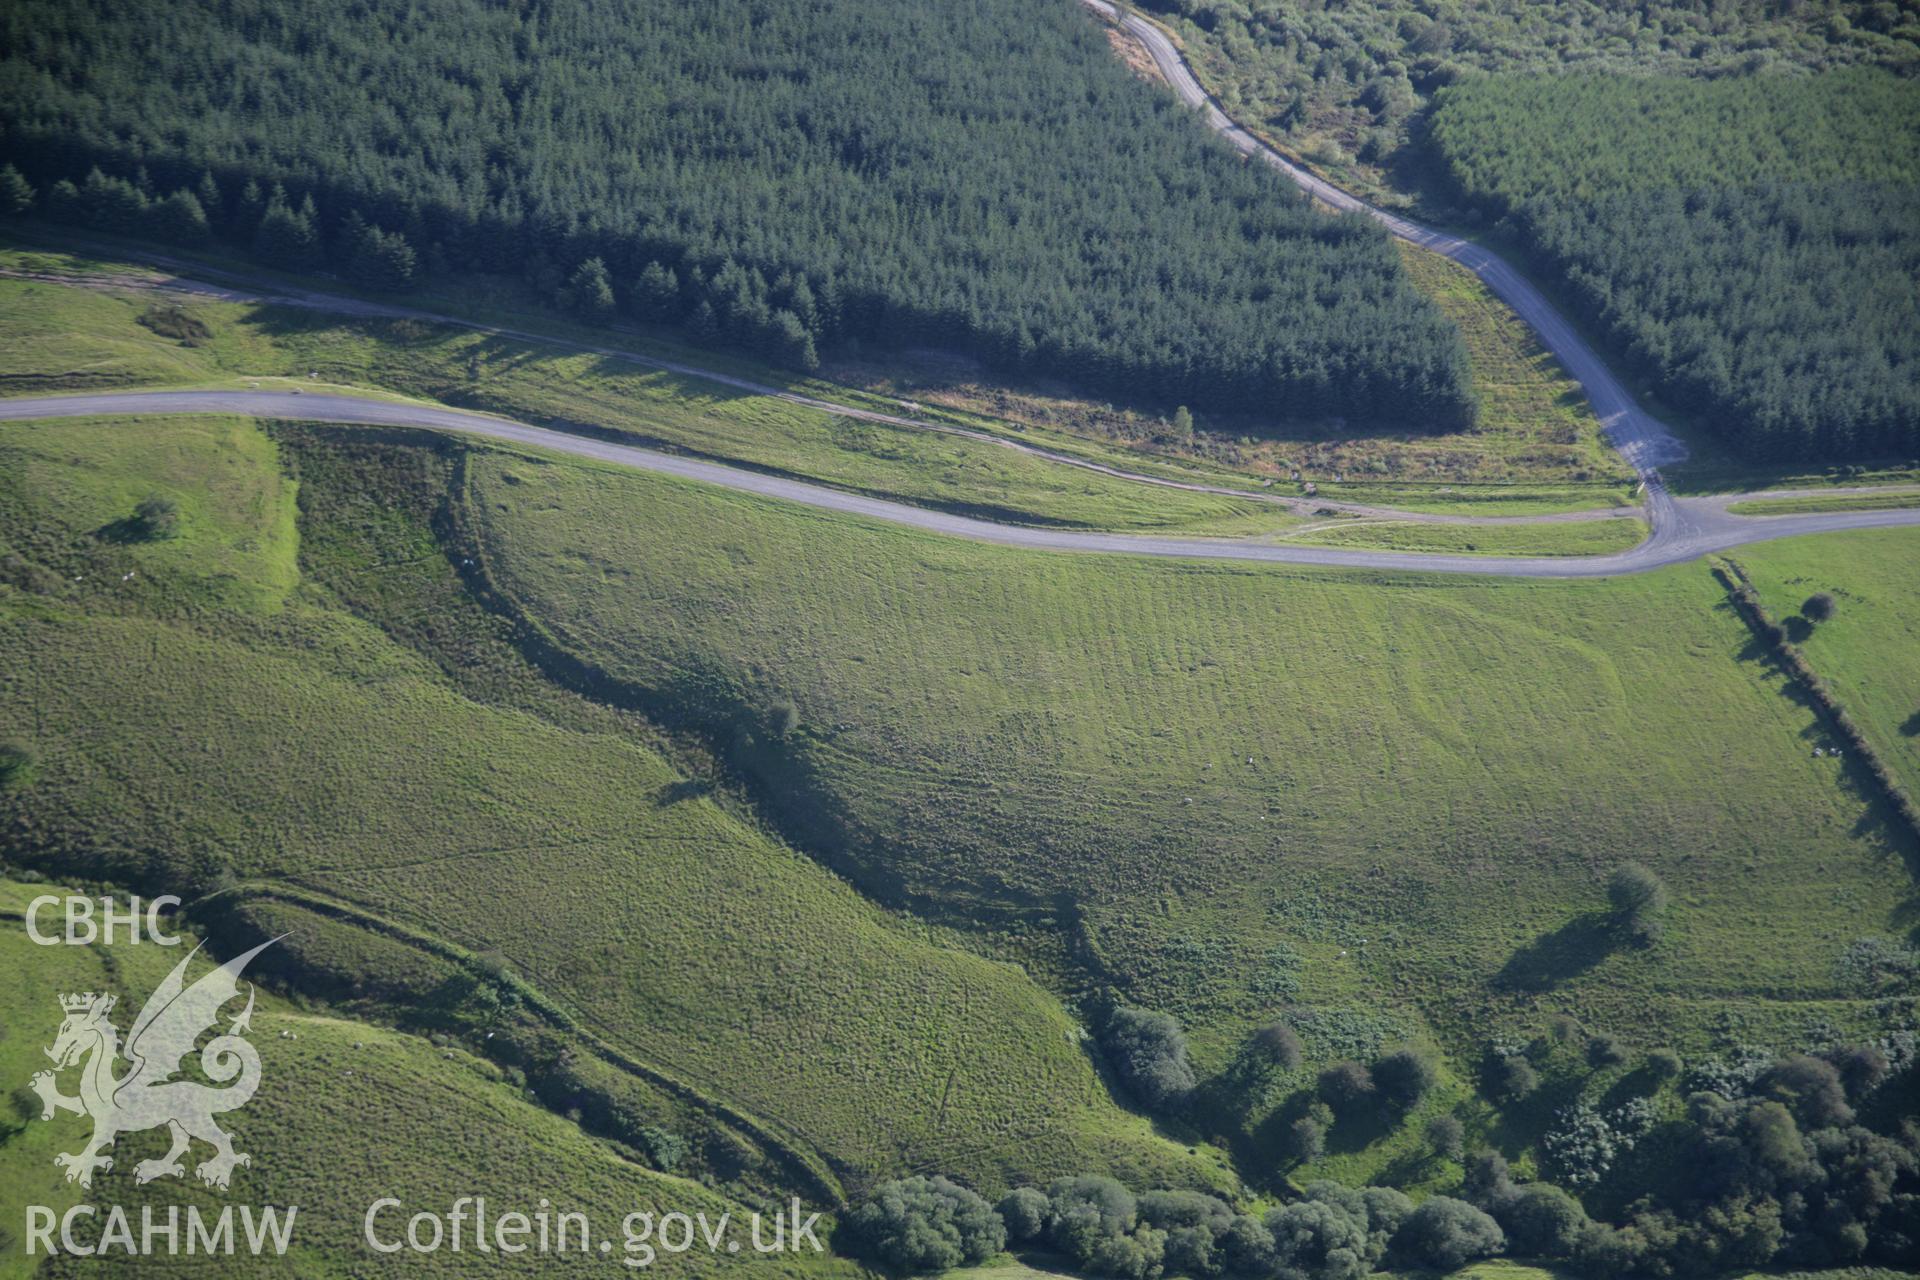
[1149, 1052]
[18, 762]
[924, 1224]
[1639, 902]
[154, 518]
[899, 187]
[177, 323]
[1749, 243]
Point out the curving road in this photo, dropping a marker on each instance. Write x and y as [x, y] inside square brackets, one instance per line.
[1643, 440]
[1693, 527]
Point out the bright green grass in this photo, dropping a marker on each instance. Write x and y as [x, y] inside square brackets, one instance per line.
[56, 337]
[1554, 538]
[1836, 502]
[1537, 450]
[305, 745]
[1866, 651]
[1442, 771]
[346, 1113]
[234, 543]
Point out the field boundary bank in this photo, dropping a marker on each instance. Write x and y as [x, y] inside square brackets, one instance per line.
[788, 1150]
[1773, 637]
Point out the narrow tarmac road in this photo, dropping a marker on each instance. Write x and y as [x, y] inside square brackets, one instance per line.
[1643, 440]
[1692, 528]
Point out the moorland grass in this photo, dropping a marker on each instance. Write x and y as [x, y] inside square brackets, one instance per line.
[1381, 806]
[1825, 502]
[1537, 448]
[56, 337]
[1556, 538]
[347, 1112]
[1865, 650]
[192, 730]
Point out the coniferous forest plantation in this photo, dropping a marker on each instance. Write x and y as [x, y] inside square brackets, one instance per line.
[1753, 244]
[784, 177]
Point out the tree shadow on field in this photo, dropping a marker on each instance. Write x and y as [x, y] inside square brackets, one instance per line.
[1910, 727]
[1554, 958]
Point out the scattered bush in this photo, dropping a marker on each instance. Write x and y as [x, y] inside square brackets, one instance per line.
[1810, 1088]
[1170, 1209]
[1024, 1210]
[665, 1149]
[18, 764]
[1149, 1052]
[925, 1225]
[1584, 1142]
[1346, 1085]
[1307, 1139]
[1447, 1136]
[1878, 967]
[1605, 1051]
[1281, 1045]
[1818, 607]
[1862, 1068]
[1446, 1234]
[1542, 1221]
[1664, 1064]
[1404, 1077]
[1095, 1221]
[1315, 1238]
[156, 518]
[177, 323]
[1639, 901]
[1512, 1078]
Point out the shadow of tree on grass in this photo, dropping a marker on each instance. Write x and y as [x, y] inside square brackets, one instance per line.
[1554, 958]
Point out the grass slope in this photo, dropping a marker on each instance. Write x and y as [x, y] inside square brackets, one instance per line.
[1865, 650]
[247, 723]
[1833, 502]
[1567, 538]
[1537, 447]
[1228, 790]
[347, 1113]
[59, 337]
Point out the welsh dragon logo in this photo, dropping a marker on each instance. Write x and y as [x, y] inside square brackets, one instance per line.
[147, 1096]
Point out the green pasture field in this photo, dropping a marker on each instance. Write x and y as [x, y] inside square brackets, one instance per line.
[56, 338]
[1867, 650]
[1557, 538]
[347, 1113]
[1537, 448]
[1381, 806]
[1825, 502]
[317, 705]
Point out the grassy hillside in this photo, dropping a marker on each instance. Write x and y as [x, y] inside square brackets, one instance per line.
[1833, 502]
[321, 708]
[1864, 650]
[1539, 448]
[1230, 791]
[64, 338]
[347, 1112]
